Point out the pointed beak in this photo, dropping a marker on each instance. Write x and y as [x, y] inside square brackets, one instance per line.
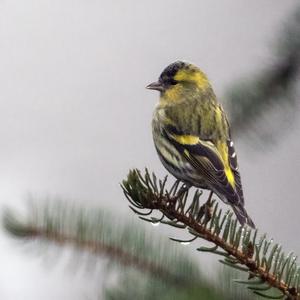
[155, 86]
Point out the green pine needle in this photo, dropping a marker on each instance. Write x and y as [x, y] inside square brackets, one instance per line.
[268, 264]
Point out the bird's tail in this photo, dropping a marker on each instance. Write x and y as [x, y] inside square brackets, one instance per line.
[242, 216]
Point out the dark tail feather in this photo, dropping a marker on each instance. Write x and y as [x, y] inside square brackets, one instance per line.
[242, 216]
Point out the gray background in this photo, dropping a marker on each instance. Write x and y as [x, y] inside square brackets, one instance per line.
[75, 116]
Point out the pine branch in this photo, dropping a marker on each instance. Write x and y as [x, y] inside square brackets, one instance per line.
[240, 246]
[95, 233]
[167, 273]
[95, 247]
[250, 99]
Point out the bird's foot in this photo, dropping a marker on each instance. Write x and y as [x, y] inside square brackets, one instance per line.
[205, 210]
[184, 188]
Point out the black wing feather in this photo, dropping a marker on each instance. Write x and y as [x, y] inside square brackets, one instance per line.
[208, 164]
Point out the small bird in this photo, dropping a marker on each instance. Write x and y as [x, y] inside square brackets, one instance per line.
[192, 136]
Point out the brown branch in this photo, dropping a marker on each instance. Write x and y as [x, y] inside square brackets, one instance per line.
[167, 205]
[113, 252]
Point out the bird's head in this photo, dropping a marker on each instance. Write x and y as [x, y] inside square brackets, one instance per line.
[180, 79]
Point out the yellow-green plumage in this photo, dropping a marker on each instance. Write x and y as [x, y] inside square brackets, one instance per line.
[192, 136]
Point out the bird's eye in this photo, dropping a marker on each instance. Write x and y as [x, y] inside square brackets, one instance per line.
[172, 81]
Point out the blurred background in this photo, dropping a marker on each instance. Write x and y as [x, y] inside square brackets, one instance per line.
[75, 115]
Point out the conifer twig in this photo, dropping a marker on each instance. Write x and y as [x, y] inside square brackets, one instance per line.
[240, 246]
[93, 233]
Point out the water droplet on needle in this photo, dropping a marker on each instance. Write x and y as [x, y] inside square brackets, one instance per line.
[155, 224]
[185, 243]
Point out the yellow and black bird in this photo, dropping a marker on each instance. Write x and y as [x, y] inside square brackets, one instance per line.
[192, 135]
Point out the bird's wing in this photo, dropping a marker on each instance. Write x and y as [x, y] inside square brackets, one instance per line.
[208, 160]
